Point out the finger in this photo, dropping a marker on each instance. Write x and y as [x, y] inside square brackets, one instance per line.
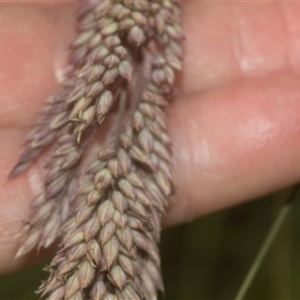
[224, 42]
[233, 144]
[57, 4]
[14, 199]
[230, 145]
[227, 41]
[33, 53]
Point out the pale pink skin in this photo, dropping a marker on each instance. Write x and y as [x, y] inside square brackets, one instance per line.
[235, 124]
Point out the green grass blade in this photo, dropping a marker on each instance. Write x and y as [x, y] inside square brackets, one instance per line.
[265, 246]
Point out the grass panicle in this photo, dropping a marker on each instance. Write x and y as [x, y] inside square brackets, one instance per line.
[123, 59]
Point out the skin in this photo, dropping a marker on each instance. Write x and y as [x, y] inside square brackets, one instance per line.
[235, 122]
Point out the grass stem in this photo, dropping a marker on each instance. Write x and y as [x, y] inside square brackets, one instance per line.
[265, 247]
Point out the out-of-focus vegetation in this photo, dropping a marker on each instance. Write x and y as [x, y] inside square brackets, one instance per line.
[208, 258]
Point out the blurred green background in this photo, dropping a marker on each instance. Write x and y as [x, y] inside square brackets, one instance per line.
[208, 258]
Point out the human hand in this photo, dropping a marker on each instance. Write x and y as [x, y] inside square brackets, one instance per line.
[234, 124]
